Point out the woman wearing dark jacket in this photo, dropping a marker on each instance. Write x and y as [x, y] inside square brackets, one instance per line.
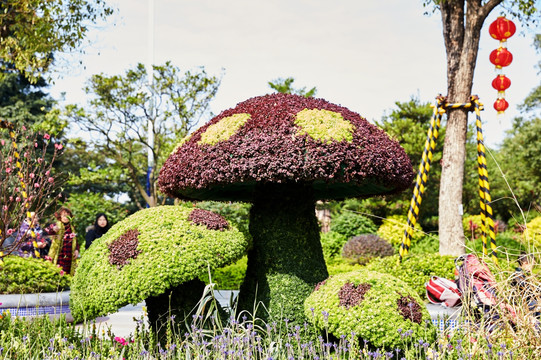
[100, 227]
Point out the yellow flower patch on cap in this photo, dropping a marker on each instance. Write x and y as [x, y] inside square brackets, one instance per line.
[324, 125]
[223, 129]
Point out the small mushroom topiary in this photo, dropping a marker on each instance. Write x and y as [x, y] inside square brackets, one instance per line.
[154, 255]
[283, 152]
[377, 308]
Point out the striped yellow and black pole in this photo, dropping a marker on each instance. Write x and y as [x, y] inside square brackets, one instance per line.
[422, 177]
[487, 216]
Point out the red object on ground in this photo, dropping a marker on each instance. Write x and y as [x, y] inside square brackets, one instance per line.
[502, 28]
[501, 57]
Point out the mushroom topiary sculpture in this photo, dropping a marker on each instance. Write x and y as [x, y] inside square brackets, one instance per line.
[377, 308]
[283, 152]
[155, 255]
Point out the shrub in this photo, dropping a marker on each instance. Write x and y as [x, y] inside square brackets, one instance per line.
[392, 230]
[332, 243]
[362, 248]
[532, 234]
[472, 226]
[28, 275]
[350, 224]
[517, 223]
[229, 277]
[428, 244]
[373, 306]
[507, 246]
[416, 269]
[339, 265]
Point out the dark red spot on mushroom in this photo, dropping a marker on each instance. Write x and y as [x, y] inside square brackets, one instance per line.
[211, 220]
[409, 309]
[124, 248]
[351, 295]
[320, 284]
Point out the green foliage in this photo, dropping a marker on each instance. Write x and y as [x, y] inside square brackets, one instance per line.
[229, 277]
[286, 260]
[532, 234]
[415, 269]
[32, 30]
[350, 224]
[428, 244]
[340, 265]
[508, 246]
[332, 243]
[85, 206]
[222, 130]
[28, 275]
[472, 226]
[393, 228]
[118, 115]
[376, 318]
[363, 248]
[326, 126]
[236, 212]
[171, 251]
[284, 86]
[519, 161]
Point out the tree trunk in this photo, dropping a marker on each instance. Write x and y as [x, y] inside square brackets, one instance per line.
[462, 44]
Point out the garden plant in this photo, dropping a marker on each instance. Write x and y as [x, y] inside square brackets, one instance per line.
[156, 255]
[282, 152]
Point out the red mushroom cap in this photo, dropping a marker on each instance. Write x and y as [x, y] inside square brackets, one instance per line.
[284, 139]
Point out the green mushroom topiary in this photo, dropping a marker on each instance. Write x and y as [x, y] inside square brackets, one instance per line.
[155, 255]
[371, 305]
[283, 153]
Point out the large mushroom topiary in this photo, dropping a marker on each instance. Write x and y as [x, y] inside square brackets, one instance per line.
[283, 152]
[157, 255]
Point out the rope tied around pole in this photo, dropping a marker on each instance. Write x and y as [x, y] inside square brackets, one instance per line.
[487, 227]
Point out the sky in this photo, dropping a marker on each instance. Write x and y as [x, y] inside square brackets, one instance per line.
[364, 55]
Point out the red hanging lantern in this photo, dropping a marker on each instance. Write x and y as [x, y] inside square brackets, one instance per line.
[501, 57]
[501, 105]
[502, 29]
[501, 83]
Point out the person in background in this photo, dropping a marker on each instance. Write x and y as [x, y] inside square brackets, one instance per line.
[100, 227]
[64, 249]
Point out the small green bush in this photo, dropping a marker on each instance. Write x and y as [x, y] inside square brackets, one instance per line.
[472, 226]
[507, 246]
[373, 306]
[339, 265]
[28, 275]
[532, 234]
[229, 277]
[415, 269]
[332, 243]
[428, 244]
[362, 248]
[350, 224]
[392, 230]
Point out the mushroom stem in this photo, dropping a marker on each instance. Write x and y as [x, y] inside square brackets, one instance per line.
[174, 308]
[286, 260]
